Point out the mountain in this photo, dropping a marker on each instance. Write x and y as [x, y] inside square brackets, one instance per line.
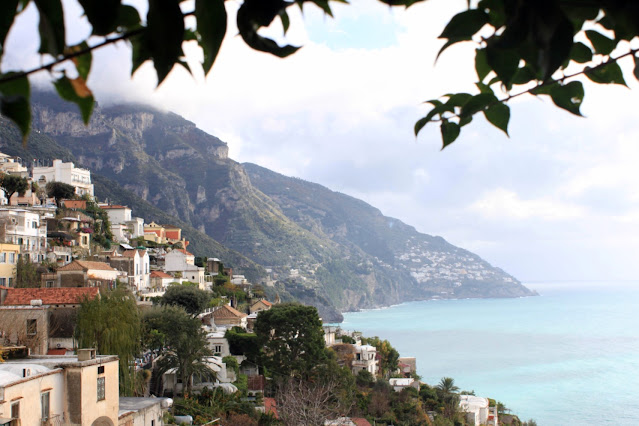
[319, 246]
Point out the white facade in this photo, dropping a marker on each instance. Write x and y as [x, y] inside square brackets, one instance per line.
[26, 229]
[118, 214]
[218, 343]
[400, 384]
[365, 358]
[178, 260]
[65, 173]
[476, 408]
[136, 225]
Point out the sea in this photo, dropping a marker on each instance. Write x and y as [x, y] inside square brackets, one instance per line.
[567, 357]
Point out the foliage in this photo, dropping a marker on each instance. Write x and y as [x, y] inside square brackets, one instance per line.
[231, 362]
[181, 340]
[192, 299]
[11, 184]
[446, 389]
[522, 47]
[27, 275]
[388, 353]
[60, 191]
[111, 324]
[291, 338]
[347, 339]
[541, 48]
[242, 343]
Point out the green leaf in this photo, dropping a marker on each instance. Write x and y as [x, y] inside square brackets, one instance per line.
[481, 64]
[450, 132]
[286, 22]
[602, 44]
[559, 49]
[76, 91]
[51, 27]
[569, 96]
[607, 74]
[103, 15]
[8, 11]
[82, 62]
[477, 103]
[322, 4]
[484, 88]
[498, 115]
[14, 103]
[211, 25]
[465, 24]
[164, 34]
[251, 16]
[636, 69]
[524, 75]
[438, 109]
[544, 89]
[504, 62]
[140, 52]
[458, 99]
[580, 53]
[128, 18]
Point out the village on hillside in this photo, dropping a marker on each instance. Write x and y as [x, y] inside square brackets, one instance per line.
[107, 319]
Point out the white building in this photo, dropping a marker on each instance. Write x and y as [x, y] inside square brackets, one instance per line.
[65, 173]
[182, 263]
[365, 358]
[25, 228]
[400, 384]
[477, 410]
[123, 225]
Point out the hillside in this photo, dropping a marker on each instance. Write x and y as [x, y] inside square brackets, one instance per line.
[320, 246]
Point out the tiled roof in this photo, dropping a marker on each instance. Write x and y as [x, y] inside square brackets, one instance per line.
[160, 274]
[85, 265]
[359, 421]
[50, 296]
[183, 251]
[62, 351]
[228, 312]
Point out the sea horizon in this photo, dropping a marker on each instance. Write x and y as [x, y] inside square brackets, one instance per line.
[546, 357]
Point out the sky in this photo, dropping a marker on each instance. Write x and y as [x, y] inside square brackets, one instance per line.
[557, 200]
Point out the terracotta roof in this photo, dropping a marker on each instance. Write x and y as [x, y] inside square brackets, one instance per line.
[160, 274]
[62, 351]
[228, 312]
[85, 265]
[131, 253]
[360, 421]
[50, 296]
[183, 251]
[166, 225]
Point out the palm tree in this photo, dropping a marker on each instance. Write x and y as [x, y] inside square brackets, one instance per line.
[446, 389]
[447, 386]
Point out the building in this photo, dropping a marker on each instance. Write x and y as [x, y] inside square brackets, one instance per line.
[477, 410]
[78, 390]
[41, 319]
[365, 358]
[260, 305]
[407, 366]
[137, 266]
[9, 254]
[400, 384]
[67, 173]
[218, 344]
[142, 411]
[83, 273]
[179, 262]
[225, 315]
[25, 228]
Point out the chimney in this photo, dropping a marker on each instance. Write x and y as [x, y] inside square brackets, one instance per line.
[86, 354]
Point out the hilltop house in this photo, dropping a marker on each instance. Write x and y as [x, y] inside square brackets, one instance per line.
[400, 384]
[226, 315]
[181, 262]
[67, 173]
[260, 305]
[365, 358]
[477, 410]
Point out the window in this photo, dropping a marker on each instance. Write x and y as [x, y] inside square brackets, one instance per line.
[218, 349]
[34, 225]
[44, 404]
[49, 283]
[9, 281]
[32, 327]
[12, 258]
[3, 281]
[101, 390]
[3, 257]
[15, 413]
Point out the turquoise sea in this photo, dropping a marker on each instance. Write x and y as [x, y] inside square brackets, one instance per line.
[567, 357]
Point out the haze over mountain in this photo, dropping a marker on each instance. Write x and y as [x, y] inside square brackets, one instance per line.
[321, 247]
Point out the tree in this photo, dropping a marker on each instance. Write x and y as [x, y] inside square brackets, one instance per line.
[389, 355]
[60, 191]
[181, 340]
[27, 275]
[446, 389]
[11, 184]
[111, 324]
[523, 47]
[291, 338]
[192, 299]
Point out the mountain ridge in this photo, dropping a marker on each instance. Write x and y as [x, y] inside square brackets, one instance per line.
[319, 246]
